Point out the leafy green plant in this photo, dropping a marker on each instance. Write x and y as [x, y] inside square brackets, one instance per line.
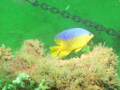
[23, 81]
[42, 86]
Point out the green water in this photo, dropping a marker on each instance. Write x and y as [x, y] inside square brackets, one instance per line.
[21, 22]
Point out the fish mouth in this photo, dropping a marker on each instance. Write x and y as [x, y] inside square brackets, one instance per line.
[92, 35]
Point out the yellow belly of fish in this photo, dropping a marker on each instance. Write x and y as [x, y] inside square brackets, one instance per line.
[73, 44]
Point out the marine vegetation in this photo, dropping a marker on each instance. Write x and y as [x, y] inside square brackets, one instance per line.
[32, 68]
[24, 82]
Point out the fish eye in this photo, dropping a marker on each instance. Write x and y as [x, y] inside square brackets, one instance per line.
[89, 34]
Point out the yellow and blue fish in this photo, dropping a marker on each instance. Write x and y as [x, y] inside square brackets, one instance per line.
[69, 40]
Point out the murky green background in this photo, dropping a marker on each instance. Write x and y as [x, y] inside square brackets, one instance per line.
[21, 22]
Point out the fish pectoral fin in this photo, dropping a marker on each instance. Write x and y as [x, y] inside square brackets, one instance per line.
[78, 50]
[64, 53]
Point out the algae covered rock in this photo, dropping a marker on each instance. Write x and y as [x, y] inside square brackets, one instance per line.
[34, 47]
[27, 56]
[94, 70]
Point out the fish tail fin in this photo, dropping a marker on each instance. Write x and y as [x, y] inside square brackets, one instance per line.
[54, 50]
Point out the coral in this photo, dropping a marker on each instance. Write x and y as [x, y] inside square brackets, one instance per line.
[5, 57]
[5, 54]
[93, 70]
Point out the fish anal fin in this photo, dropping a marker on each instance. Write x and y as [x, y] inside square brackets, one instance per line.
[54, 50]
[78, 50]
[64, 53]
